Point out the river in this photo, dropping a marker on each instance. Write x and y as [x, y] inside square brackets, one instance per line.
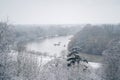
[53, 47]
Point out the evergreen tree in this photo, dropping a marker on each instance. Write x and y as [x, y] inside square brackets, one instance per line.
[74, 57]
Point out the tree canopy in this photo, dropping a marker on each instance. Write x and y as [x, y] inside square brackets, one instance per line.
[94, 39]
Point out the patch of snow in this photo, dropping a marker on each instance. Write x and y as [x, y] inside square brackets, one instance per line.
[94, 65]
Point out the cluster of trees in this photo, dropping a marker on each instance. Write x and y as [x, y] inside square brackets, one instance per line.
[31, 32]
[6, 43]
[93, 39]
[101, 40]
[15, 64]
[111, 69]
[58, 70]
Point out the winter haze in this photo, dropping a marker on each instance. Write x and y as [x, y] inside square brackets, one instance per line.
[59, 39]
[60, 11]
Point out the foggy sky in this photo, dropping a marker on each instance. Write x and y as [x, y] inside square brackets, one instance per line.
[60, 11]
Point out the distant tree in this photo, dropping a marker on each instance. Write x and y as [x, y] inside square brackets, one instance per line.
[93, 39]
[112, 61]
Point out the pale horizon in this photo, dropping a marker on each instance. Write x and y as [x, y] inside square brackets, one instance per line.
[60, 11]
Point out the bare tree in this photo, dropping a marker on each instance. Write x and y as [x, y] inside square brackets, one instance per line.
[5, 45]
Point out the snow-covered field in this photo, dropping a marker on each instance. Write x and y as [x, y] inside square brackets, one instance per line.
[94, 65]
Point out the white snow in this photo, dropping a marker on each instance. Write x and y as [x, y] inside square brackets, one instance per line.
[94, 65]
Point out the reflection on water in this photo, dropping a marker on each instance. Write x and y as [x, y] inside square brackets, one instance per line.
[52, 46]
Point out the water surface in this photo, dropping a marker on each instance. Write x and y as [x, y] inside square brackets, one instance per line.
[51, 46]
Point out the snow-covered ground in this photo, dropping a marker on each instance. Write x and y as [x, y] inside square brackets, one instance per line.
[94, 65]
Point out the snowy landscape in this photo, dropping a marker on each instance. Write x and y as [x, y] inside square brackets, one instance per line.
[45, 58]
[59, 39]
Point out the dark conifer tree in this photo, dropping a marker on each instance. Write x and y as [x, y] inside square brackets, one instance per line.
[73, 57]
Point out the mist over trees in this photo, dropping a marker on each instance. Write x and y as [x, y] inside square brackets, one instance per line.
[29, 32]
[93, 39]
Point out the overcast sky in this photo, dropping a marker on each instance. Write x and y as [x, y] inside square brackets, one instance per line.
[60, 11]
